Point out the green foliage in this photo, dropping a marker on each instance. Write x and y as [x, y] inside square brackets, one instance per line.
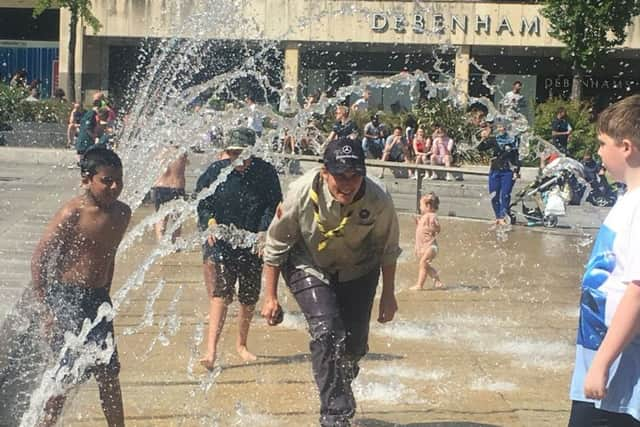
[10, 97]
[389, 119]
[79, 8]
[590, 29]
[14, 108]
[216, 103]
[579, 114]
[454, 119]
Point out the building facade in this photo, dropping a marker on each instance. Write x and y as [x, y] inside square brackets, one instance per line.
[326, 44]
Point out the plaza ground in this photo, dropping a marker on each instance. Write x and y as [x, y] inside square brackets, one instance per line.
[493, 349]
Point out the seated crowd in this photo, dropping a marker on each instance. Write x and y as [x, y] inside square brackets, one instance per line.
[410, 144]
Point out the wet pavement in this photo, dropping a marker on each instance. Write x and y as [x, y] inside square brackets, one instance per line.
[493, 348]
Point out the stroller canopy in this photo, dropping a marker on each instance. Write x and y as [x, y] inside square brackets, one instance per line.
[564, 164]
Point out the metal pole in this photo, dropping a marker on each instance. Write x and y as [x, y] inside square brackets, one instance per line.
[420, 173]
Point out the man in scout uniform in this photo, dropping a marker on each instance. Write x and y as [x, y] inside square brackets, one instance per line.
[331, 237]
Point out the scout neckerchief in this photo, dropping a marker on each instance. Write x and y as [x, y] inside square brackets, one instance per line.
[327, 233]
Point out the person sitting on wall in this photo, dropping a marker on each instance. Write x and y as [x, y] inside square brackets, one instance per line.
[19, 79]
[422, 146]
[441, 151]
[34, 95]
[396, 149]
[344, 126]
[373, 141]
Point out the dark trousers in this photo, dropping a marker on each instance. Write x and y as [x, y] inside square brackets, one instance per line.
[500, 185]
[338, 316]
[585, 414]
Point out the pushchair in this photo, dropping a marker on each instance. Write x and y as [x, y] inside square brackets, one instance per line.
[550, 193]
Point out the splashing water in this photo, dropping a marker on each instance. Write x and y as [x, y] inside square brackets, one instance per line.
[160, 116]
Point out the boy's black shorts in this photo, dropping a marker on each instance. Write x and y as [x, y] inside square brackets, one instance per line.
[162, 195]
[71, 305]
[245, 268]
[585, 414]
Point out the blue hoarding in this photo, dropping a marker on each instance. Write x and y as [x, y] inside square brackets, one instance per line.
[36, 57]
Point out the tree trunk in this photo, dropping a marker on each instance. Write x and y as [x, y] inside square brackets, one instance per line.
[576, 84]
[71, 63]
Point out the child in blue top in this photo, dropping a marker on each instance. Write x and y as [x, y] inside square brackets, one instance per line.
[605, 388]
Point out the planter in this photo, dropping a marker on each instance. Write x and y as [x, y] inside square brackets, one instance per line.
[31, 134]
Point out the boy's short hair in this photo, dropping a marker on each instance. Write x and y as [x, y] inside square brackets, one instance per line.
[622, 120]
[561, 110]
[96, 157]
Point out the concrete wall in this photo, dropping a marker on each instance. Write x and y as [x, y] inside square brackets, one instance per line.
[42, 135]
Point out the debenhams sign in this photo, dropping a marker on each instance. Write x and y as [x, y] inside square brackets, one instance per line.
[439, 23]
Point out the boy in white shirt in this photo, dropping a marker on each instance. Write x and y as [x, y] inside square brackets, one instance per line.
[605, 388]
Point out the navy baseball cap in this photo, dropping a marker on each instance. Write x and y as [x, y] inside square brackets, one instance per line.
[343, 155]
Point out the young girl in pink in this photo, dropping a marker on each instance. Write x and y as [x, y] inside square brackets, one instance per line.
[427, 228]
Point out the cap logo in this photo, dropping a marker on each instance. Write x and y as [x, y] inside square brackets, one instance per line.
[347, 149]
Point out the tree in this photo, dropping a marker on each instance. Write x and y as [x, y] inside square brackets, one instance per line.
[78, 9]
[590, 29]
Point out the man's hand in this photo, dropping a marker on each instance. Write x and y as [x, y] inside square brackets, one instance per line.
[388, 307]
[212, 228]
[271, 311]
[595, 383]
[260, 242]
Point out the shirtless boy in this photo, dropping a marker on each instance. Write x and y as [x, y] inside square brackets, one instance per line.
[72, 269]
[170, 186]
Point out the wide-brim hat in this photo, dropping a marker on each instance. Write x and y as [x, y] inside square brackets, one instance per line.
[240, 138]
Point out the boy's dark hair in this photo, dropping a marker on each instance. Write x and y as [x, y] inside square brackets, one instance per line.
[622, 120]
[97, 157]
[97, 103]
[517, 82]
[561, 110]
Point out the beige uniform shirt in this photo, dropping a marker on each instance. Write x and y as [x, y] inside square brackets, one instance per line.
[369, 239]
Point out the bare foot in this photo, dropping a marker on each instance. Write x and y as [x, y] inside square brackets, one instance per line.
[438, 284]
[246, 355]
[207, 362]
[416, 288]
